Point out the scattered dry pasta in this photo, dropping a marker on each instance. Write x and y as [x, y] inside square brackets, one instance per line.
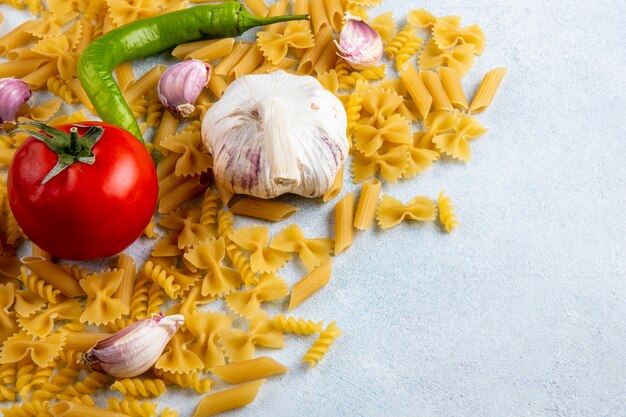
[391, 211]
[321, 345]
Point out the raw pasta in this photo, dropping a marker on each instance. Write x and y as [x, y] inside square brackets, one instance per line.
[42, 351]
[73, 409]
[460, 58]
[275, 46]
[177, 358]
[297, 326]
[140, 387]
[391, 211]
[446, 216]
[247, 303]
[416, 89]
[366, 208]
[42, 323]
[239, 345]
[255, 239]
[102, 307]
[447, 33]
[487, 90]
[452, 85]
[434, 86]
[53, 275]
[229, 399]
[206, 326]
[456, 144]
[310, 284]
[335, 188]
[218, 279]
[321, 345]
[312, 252]
[263, 209]
[344, 220]
[249, 370]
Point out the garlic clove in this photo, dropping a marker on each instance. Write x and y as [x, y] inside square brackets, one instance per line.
[14, 94]
[134, 349]
[359, 44]
[180, 86]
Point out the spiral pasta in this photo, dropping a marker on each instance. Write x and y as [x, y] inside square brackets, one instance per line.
[55, 385]
[353, 111]
[321, 345]
[191, 380]
[86, 386]
[350, 80]
[210, 203]
[38, 286]
[296, 325]
[58, 86]
[155, 298]
[168, 412]
[407, 50]
[398, 41]
[140, 387]
[240, 261]
[132, 407]
[28, 409]
[174, 282]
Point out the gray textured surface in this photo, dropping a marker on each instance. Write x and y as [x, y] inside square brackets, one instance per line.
[521, 311]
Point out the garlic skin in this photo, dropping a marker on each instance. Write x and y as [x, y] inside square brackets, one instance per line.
[180, 86]
[134, 349]
[359, 44]
[14, 94]
[277, 133]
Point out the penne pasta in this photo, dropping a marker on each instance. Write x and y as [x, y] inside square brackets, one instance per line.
[167, 165]
[17, 69]
[257, 7]
[37, 251]
[125, 290]
[184, 49]
[334, 13]
[366, 208]
[249, 370]
[125, 75]
[269, 67]
[312, 55]
[83, 341]
[335, 188]
[487, 90]
[217, 85]
[452, 84]
[225, 65]
[344, 220]
[310, 284]
[302, 7]
[17, 37]
[263, 209]
[278, 8]
[75, 409]
[167, 127]
[54, 275]
[144, 84]
[435, 88]
[170, 182]
[417, 90]
[77, 89]
[327, 60]
[319, 19]
[248, 63]
[218, 49]
[229, 399]
[171, 200]
[39, 78]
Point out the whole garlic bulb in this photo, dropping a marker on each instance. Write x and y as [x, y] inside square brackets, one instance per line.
[277, 133]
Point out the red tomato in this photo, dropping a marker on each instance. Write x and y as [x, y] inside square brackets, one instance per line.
[86, 211]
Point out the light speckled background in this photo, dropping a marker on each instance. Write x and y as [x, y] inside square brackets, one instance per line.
[522, 311]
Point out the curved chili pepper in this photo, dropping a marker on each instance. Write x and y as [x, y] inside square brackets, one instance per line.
[148, 37]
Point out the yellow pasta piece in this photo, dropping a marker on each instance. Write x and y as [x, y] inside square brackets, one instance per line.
[446, 216]
[53, 275]
[248, 63]
[20, 68]
[319, 18]
[456, 144]
[239, 345]
[368, 139]
[310, 284]
[39, 78]
[6, 155]
[38, 286]
[167, 127]
[7, 321]
[86, 386]
[28, 408]
[384, 25]
[452, 85]
[177, 358]
[218, 279]
[41, 112]
[42, 351]
[297, 326]
[27, 302]
[419, 158]
[391, 211]
[436, 90]
[344, 220]
[125, 11]
[57, 48]
[146, 83]
[334, 13]
[192, 160]
[277, 8]
[124, 291]
[421, 18]
[323, 40]
[225, 66]
[263, 209]
[390, 161]
[140, 387]
[416, 89]
[217, 49]
[83, 341]
[247, 303]
[460, 58]
[312, 252]
[206, 326]
[487, 90]
[335, 187]
[187, 222]
[321, 345]
[125, 75]
[447, 33]
[132, 407]
[257, 7]
[229, 399]
[184, 191]
[327, 60]
[255, 239]
[249, 370]
[73, 409]
[366, 208]
[173, 281]
[42, 323]
[184, 49]
[275, 46]
[17, 37]
[193, 381]
[101, 307]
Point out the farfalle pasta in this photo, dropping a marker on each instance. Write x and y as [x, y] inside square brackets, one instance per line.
[447, 33]
[42, 351]
[126, 11]
[177, 358]
[206, 326]
[8, 326]
[247, 303]
[255, 239]
[460, 58]
[456, 144]
[385, 25]
[101, 307]
[368, 139]
[192, 160]
[276, 45]
[186, 222]
[207, 257]
[392, 211]
[42, 323]
[390, 161]
[28, 302]
[239, 345]
[446, 215]
[312, 252]
[174, 281]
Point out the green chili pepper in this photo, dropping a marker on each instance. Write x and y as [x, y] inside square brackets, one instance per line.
[151, 36]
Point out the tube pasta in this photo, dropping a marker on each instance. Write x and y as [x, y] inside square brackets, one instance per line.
[17, 37]
[249, 370]
[276, 9]
[83, 341]
[229, 399]
[335, 188]
[263, 209]
[334, 13]
[487, 90]
[226, 65]
[311, 283]
[319, 18]
[344, 220]
[184, 49]
[435, 88]
[167, 127]
[125, 75]
[20, 68]
[143, 85]
[188, 189]
[53, 275]
[39, 78]
[452, 85]
[417, 90]
[323, 39]
[218, 49]
[366, 208]
[124, 292]
[72, 409]
[257, 7]
[248, 63]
